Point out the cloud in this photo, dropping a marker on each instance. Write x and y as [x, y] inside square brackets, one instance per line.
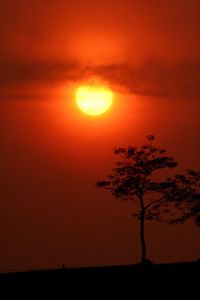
[149, 78]
[155, 78]
[37, 71]
[35, 79]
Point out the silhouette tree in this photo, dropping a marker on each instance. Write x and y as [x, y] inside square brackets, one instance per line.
[185, 196]
[135, 178]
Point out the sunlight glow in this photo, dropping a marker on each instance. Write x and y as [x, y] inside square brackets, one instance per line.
[94, 100]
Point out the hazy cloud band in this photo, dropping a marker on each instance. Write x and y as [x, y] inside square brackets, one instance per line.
[150, 78]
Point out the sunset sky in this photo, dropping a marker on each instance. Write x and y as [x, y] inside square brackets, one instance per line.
[51, 154]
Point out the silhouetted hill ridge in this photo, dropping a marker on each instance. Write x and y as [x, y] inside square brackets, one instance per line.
[181, 268]
[124, 281]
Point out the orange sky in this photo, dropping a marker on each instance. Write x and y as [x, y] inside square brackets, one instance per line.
[51, 154]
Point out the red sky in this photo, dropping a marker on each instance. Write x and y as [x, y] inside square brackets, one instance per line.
[51, 154]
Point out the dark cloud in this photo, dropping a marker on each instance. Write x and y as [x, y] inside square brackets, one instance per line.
[150, 78]
[155, 78]
[12, 73]
[35, 79]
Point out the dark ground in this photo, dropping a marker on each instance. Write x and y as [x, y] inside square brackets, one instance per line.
[148, 278]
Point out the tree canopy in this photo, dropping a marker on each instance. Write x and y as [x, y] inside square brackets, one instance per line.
[137, 177]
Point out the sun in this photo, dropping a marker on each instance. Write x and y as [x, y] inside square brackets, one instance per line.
[94, 100]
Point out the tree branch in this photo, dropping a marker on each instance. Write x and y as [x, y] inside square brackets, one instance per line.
[155, 201]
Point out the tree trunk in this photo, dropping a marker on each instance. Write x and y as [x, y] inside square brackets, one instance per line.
[142, 238]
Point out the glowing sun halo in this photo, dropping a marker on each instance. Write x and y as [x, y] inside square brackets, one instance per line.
[94, 100]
